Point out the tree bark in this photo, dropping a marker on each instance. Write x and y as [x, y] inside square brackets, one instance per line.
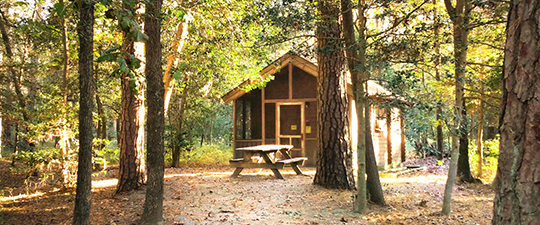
[83, 198]
[132, 172]
[460, 19]
[177, 46]
[437, 48]
[517, 185]
[373, 184]
[178, 136]
[479, 147]
[464, 169]
[153, 204]
[334, 163]
[7, 120]
[353, 62]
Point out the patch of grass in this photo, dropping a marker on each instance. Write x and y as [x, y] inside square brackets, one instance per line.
[206, 155]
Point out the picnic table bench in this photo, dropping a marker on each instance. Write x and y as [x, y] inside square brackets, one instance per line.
[264, 151]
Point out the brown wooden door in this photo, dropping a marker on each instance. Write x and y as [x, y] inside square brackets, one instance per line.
[290, 125]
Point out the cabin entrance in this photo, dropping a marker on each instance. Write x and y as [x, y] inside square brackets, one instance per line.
[290, 125]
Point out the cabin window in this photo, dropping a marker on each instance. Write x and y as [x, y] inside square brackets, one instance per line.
[243, 120]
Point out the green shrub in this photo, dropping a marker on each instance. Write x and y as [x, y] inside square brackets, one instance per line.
[491, 156]
[206, 155]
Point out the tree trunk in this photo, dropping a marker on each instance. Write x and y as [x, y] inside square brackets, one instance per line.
[479, 147]
[460, 19]
[334, 163]
[437, 48]
[177, 46]
[7, 121]
[373, 184]
[180, 119]
[517, 186]
[464, 168]
[132, 172]
[153, 204]
[83, 198]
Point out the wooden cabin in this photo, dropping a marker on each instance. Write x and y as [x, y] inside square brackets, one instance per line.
[285, 112]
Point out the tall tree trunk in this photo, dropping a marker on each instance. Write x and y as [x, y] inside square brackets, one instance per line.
[177, 46]
[178, 136]
[7, 121]
[517, 186]
[63, 133]
[460, 20]
[334, 162]
[479, 147]
[132, 172]
[437, 47]
[153, 204]
[85, 28]
[373, 184]
[353, 63]
[464, 169]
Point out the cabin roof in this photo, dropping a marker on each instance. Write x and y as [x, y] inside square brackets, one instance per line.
[374, 89]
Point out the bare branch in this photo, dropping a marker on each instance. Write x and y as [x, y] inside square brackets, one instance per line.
[482, 64]
[398, 22]
[487, 44]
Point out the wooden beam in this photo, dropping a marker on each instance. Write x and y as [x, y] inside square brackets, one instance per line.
[263, 119]
[389, 135]
[256, 165]
[290, 81]
[291, 100]
[303, 129]
[401, 126]
[234, 127]
[277, 124]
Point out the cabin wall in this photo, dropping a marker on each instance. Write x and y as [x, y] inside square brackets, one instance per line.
[396, 136]
[294, 86]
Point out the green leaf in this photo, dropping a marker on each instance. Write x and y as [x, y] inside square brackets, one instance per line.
[60, 9]
[133, 83]
[106, 2]
[108, 55]
[182, 66]
[139, 36]
[177, 76]
[135, 62]
[123, 65]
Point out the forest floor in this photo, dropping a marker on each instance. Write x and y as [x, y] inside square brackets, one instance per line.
[211, 196]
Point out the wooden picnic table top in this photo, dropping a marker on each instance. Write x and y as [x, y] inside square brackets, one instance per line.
[265, 148]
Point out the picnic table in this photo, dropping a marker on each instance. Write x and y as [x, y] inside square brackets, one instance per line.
[269, 162]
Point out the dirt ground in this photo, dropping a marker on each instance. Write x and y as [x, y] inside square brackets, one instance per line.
[211, 196]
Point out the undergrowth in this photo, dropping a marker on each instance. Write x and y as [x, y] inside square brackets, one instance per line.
[205, 155]
[491, 156]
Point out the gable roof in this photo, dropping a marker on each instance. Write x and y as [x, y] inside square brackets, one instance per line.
[374, 90]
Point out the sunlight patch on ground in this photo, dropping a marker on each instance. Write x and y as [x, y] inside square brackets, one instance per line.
[104, 183]
[247, 172]
[21, 196]
[201, 174]
[429, 179]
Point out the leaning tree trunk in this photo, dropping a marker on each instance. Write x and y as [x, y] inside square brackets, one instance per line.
[517, 186]
[132, 172]
[373, 184]
[153, 204]
[334, 162]
[83, 198]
